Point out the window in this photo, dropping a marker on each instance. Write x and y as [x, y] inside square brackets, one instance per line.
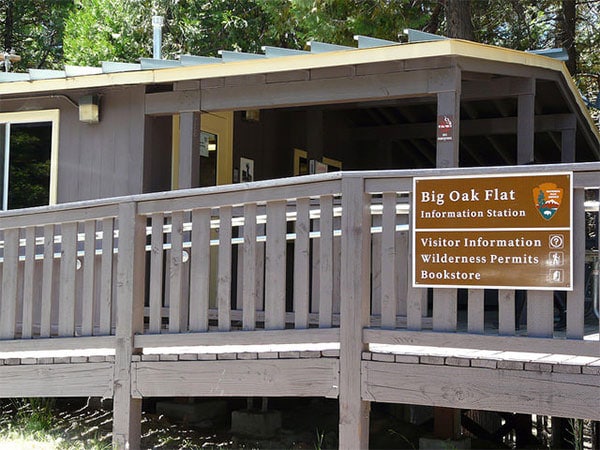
[28, 158]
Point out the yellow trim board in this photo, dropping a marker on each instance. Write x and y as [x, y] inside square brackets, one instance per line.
[332, 162]
[299, 154]
[45, 115]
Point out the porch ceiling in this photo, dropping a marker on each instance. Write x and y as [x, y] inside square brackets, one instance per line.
[488, 128]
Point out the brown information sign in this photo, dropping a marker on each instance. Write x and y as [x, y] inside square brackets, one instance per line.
[503, 231]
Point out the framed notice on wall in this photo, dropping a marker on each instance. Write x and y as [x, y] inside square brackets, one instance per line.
[246, 170]
[502, 231]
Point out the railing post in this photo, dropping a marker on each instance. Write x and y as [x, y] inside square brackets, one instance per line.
[127, 411]
[354, 313]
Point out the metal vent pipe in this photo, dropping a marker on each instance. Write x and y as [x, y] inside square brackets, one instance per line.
[157, 23]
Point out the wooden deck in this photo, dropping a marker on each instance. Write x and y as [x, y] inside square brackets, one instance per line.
[223, 291]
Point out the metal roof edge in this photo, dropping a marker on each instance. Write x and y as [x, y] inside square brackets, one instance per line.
[234, 68]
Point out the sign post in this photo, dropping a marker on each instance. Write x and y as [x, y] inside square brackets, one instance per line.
[501, 231]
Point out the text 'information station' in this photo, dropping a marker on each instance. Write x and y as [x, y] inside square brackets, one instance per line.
[506, 231]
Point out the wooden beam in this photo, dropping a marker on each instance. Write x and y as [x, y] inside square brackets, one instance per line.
[310, 377]
[521, 391]
[262, 337]
[323, 91]
[56, 343]
[496, 88]
[57, 380]
[175, 102]
[482, 342]
[474, 127]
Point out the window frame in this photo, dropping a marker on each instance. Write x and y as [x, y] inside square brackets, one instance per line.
[39, 116]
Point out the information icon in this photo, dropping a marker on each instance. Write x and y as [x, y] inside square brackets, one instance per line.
[556, 241]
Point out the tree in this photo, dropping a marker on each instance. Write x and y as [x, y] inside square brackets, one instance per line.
[458, 19]
[34, 30]
[566, 32]
[122, 31]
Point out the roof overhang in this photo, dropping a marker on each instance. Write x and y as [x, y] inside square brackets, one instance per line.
[348, 57]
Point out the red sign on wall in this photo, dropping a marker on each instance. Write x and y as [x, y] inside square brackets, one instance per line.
[445, 125]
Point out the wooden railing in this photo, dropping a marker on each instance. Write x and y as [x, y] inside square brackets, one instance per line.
[266, 256]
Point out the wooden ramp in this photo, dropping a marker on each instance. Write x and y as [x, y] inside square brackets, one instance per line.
[222, 292]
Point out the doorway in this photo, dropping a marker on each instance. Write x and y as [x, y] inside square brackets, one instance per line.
[215, 149]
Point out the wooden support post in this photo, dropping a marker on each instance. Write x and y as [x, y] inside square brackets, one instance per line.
[448, 122]
[8, 300]
[446, 420]
[575, 298]
[523, 427]
[446, 423]
[127, 411]
[559, 433]
[525, 125]
[189, 150]
[568, 145]
[575, 305]
[540, 314]
[595, 434]
[354, 313]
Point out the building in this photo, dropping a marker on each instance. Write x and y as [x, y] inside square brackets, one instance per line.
[127, 145]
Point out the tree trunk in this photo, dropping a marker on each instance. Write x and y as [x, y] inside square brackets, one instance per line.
[566, 35]
[458, 19]
[8, 33]
[434, 21]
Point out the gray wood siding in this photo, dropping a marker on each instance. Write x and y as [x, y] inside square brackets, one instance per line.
[104, 159]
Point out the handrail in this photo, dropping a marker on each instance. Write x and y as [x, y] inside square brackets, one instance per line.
[309, 214]
[581, 171]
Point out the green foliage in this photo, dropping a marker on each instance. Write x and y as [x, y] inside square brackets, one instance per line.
[105, 30]
[576, 434]
[32, 423]
[521, 25]
[338, 21]
[34, 30]
[112, 30]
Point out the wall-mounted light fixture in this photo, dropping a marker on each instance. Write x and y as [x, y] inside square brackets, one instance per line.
[251, 115]
[89, 109]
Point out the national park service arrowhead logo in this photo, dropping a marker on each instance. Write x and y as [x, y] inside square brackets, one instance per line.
[547, 197]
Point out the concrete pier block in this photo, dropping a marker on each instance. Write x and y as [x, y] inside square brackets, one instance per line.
[259, 424]
[444, 444]
[192, 413]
